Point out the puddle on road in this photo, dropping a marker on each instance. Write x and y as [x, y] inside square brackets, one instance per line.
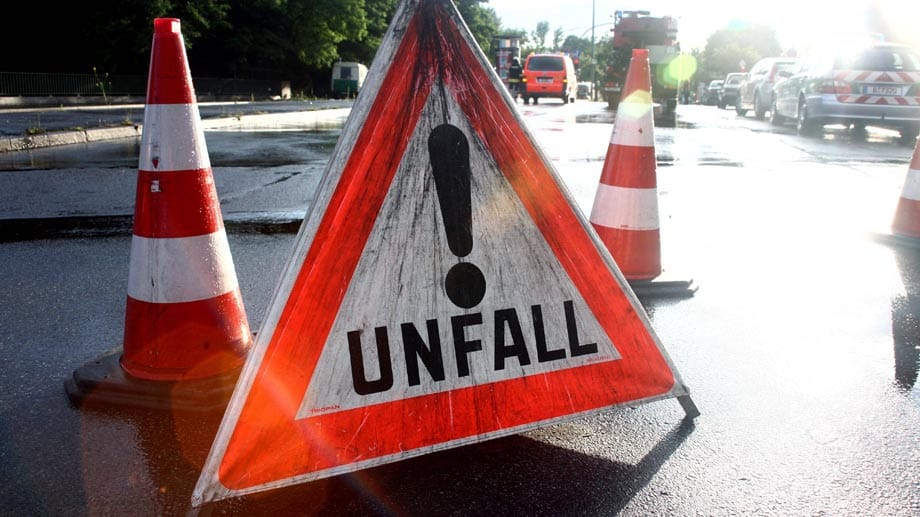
[605, 117]
[225, 149]
[105, 155]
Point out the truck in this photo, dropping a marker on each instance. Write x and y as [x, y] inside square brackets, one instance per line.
[658, 34]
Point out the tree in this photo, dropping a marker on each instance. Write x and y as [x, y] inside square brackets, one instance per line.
[539, 36]
[482, 21]
[586, 64]
[727, 48]
[296, 40]
[113, 36]
[378, 14]
[557, 39]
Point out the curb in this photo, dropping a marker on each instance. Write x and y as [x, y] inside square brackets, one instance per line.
[82, 136]
[306, 119]
[21, 230]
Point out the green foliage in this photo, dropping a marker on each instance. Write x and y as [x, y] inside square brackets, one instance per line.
[557, 39]
[539, 36]
[587, 67]
[378, 14]
[727, 48]
[316, 27]
[294, 40]
[482, 21]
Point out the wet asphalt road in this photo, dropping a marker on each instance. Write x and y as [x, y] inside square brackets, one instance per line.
[800, 347]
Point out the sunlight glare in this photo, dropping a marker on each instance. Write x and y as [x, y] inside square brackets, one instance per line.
[680, 69]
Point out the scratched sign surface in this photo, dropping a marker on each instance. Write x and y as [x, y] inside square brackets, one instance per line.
[444, 289]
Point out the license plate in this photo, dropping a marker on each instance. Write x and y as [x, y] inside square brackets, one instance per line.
[544, 79]
[878, 89]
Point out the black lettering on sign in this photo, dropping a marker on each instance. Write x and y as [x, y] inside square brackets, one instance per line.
[462, 347]
[428, 352]
[503, 318]
[358, 377]
[574, 347]
[543, 354]
[414, 347]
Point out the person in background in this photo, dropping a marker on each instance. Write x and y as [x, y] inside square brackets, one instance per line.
[514, 78]
[685, 92]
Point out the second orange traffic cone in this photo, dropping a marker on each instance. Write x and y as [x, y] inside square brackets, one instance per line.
[186, 331]
[625, 210]
[906, 223]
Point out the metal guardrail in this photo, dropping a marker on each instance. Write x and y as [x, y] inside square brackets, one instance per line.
[25, 84]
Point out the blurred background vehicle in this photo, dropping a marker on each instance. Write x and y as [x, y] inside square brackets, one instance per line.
[756, 90]
[658, 34]
[585, 90]
[711, 93]
[729, 93]
[549, 75]
[877, 84]
[347, 78]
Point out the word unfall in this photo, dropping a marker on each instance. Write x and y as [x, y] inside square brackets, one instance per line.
[423, 358]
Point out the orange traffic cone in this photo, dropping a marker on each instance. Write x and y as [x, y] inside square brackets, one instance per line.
[906, 222]
[186, 331]
[625, 211]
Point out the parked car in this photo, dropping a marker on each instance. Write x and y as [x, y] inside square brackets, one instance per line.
[585, 90]
[711, 93]
[730, 86]
[756, 90]
[874, 85]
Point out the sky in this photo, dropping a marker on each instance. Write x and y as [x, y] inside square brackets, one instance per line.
[799, 24]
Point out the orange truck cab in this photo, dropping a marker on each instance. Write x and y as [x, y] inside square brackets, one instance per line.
[549, 75]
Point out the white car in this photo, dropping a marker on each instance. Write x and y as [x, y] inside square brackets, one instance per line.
[756, 90]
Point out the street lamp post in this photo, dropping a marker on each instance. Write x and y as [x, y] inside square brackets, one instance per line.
[593, 60]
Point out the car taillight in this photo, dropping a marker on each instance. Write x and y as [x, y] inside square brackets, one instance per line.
[833, 86]
[524, 79]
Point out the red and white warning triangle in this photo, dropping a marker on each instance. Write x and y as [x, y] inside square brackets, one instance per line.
[444, 289]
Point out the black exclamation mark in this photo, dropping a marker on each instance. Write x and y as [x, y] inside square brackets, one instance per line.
[450, 163]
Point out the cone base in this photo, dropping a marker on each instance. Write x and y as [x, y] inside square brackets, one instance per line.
[103, 382]
[663, 288]
[906, 220]
[636, 252]
[900, 241]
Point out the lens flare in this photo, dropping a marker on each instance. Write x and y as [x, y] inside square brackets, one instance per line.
[680, 69]
[636, 105]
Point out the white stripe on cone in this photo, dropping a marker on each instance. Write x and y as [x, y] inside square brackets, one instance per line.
[182, 269]
[911, 188]
[632, 131]
[634, 121]
[173, 139]
[625, 208]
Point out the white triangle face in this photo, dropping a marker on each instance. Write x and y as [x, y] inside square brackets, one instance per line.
[531, 318]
